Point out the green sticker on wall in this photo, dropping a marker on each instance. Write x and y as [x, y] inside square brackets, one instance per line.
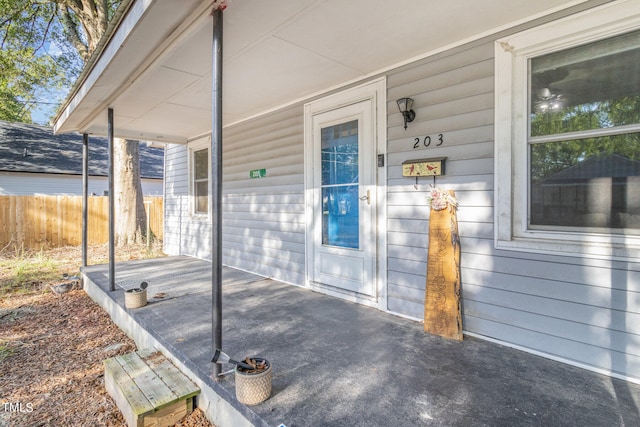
[258, 173]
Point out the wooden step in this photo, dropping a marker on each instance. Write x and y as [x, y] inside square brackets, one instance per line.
[148, 389]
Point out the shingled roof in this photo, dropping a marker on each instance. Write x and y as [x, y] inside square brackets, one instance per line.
[35, 149]
[602, 166]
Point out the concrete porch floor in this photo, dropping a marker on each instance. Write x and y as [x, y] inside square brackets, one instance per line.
[341, 364]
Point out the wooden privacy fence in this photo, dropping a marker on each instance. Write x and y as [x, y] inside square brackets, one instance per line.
[54, 221]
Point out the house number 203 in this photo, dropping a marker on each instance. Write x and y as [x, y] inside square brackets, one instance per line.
[426, 141]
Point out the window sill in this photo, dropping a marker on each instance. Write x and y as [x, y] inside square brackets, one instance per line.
[200, 217]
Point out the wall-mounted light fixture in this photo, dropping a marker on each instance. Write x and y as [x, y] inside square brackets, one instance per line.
[405, 104]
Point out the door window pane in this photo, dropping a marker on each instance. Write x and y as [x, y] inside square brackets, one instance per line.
[340, 216]
[340, 185]
[340, 154]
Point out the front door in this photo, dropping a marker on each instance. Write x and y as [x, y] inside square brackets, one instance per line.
[344, 198]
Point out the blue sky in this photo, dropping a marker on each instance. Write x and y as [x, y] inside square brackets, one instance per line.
[47, 106]
[48, 100]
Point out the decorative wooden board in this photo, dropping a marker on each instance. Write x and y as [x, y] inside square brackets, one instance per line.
[442, 313]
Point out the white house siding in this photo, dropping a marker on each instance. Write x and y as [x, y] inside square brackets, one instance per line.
[263, 219]
[184, 234]
[263, 228]
[585, 311]
[176, 207]
[453, 96]
[24, 184]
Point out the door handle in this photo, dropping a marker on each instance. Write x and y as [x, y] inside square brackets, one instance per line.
[367, 197]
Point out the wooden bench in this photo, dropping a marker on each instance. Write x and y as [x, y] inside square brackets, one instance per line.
[148, 389]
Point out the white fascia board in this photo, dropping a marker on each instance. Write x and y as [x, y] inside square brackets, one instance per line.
[130, 62]
[107, 56]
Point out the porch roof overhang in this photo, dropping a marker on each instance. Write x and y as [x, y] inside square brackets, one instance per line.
[155, 69]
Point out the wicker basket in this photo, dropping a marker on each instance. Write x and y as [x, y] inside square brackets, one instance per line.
[252, 389]
[135, 298]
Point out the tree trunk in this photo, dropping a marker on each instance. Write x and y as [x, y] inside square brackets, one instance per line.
[130, 222]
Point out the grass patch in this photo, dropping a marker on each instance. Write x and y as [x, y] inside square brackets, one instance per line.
[24, 271]
[29, 271]
[5, 351]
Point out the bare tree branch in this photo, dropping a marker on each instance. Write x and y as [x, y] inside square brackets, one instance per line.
[46, 33]
[92, 15]
[72, 32]
[102, 10]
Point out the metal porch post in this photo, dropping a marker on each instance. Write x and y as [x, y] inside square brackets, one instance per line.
[215, 199]
[112, 252]
[85, 195]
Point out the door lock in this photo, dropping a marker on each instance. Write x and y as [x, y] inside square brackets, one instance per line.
[367, 197]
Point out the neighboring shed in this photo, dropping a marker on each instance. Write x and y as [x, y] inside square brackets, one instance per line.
[593, 193]
[35, 161]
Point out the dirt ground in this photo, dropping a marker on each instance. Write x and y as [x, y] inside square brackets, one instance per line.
[51, 353]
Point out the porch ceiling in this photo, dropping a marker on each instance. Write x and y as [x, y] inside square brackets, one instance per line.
[156, 71]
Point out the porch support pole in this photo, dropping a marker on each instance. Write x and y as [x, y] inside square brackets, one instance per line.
[85, 195]
[112, 252]
[215, 199]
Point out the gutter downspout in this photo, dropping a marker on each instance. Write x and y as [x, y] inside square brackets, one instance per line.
[215, 192]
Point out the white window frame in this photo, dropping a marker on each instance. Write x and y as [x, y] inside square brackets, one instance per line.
[192, 149]
[512, 56]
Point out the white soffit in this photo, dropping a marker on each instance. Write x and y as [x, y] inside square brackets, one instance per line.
[275, 52]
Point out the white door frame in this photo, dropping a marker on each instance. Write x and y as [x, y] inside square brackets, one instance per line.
[374, 91]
